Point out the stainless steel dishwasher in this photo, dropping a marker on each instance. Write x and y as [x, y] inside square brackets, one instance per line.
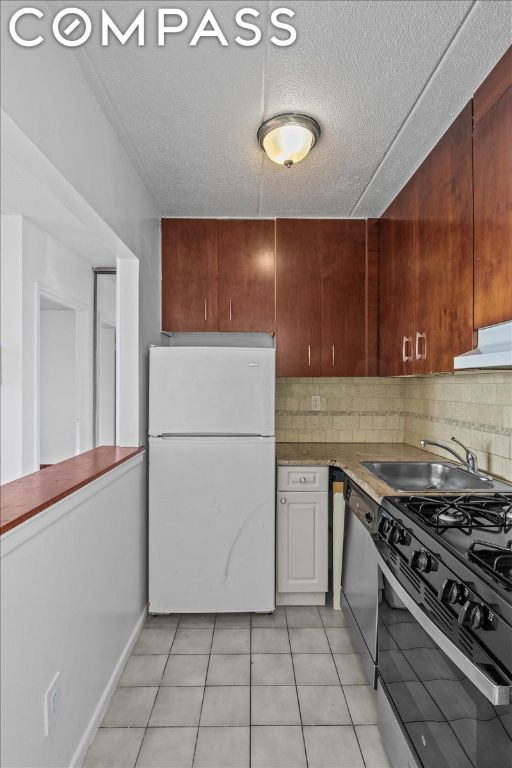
[360, 594]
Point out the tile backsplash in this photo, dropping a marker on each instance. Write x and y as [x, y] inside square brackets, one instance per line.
[475, 407]
[352, 410]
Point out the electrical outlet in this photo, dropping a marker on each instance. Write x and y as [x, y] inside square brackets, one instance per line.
[51, 703]
[315, 402]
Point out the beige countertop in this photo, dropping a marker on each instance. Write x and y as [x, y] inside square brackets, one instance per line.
[348, 457]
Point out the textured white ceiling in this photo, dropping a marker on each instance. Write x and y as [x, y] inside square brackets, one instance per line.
[384, 79]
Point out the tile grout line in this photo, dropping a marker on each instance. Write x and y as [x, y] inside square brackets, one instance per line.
[343, 690]
[204, 690]
[250, 689]
[296, 689]
[213, 628]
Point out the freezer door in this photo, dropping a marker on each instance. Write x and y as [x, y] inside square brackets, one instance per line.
[211, 390]
[211, 524]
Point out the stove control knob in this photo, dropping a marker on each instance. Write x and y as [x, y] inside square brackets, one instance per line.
[398, 535]
[472, 615]
[421, 561]
[452, 592]
[386, 526]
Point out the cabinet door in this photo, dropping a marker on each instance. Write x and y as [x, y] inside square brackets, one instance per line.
[444, 250]
[397, 288]
[372, 296]
[297, 298]
[492, 158]
[301, 542]
[247, 275]
[342, 249]
[189, 275]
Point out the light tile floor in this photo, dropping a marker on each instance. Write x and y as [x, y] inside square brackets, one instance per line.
[235, 690]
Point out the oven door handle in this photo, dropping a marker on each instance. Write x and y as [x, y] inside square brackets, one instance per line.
[496, 694]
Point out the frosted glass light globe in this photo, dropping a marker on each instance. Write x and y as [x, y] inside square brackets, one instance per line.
[287, 139]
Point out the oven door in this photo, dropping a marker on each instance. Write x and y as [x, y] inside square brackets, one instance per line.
[445, 718]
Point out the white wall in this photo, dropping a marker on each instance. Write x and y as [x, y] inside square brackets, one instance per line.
[46, 94]
[106, 393]
[106, 296]
[105, 359]
[129, 393]
[32, 261]
[57, 385]
[11, 413]
[81, 628]
[72, 595]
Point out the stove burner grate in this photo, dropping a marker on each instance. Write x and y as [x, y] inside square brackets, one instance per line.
[467, 513]
[494, 559]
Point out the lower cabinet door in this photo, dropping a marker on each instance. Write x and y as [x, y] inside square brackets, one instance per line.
[301, 542]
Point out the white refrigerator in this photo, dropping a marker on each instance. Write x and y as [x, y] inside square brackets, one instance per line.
[212, 474]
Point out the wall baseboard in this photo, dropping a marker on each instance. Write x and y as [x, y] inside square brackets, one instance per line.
[300, 598]
[101, 707]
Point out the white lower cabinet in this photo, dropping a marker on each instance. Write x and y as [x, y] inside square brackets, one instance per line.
[302, 531]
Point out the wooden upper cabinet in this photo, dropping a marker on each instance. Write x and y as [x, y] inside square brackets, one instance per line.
[493, 87]
[444, 248]
[372, 296]
[342, 248]
[218, 275]
[397, 284]
[492, 165]
[247, 275]
[426, 261]
[326, 281]
[189, 275]
[298, 297]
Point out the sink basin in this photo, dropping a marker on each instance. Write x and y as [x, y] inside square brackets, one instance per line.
[422, 476]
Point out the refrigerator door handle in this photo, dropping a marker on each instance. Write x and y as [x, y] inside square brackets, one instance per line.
[170, 435]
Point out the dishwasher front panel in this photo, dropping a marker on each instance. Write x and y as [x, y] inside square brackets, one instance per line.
[360, 588]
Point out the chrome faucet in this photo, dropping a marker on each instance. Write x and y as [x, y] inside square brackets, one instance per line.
[470, 462]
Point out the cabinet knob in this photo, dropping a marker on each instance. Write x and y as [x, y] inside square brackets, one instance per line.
[302, 480]
[283, 500]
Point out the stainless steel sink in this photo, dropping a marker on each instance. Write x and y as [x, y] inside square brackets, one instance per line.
[422, 476]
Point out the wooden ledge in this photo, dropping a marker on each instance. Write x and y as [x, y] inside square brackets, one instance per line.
[23, 498]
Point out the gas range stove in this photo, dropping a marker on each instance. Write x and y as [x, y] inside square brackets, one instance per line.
[453, 555]
[478, 528]
[444, 631]
[466, 513]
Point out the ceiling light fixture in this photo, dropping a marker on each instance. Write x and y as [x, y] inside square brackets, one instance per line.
[287, 139]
